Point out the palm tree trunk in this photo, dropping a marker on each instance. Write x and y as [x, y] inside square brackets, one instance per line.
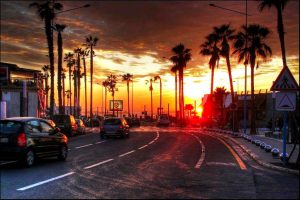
[75, 91]
[47, 91]
[49, 34]
[105, 100]
[63, 93]
[78, 85]
[212, 80]
[151, 105]
[85, 91]
[59, 70]
[128, 97]
[182, 96]
[160, 102]
[252, 128]
[91, 95]
[70, 86]
[176, 96]
[281, 36]
[113, 107]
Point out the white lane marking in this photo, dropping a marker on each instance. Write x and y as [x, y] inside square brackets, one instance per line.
[220, 163]
[151, 142]
[97, 164]
[5, 163]
[99, 142]
[46, 181]
[83, 146]
[143, 146]
[127, 153]
[202, 157]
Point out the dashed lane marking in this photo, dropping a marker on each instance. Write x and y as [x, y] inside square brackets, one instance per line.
[130, 152]
[97, 164]
[46, 181]
[83, 146]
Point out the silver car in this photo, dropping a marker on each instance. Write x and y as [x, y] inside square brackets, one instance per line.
[163, 120]
[114, 126]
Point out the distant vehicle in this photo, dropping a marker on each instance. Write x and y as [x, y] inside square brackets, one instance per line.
[27, 138]
[80, 126]
[66, 123]
[163, 120]
[114, 127]
[136, 122]
[93, 122]
[129, 121]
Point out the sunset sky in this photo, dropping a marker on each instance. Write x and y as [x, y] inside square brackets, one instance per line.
[137, 36]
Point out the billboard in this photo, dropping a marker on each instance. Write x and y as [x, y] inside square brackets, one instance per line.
[117, 105]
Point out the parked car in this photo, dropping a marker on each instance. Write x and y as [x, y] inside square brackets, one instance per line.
[66, 123]
[163, 120]
[93, 122]
[26, 138]
[80, 126]
[136, 122]
[129, 121]
[114, 127]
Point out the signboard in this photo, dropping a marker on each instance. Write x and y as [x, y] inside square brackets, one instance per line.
[117, 105]
[285, 101]
[285, 81]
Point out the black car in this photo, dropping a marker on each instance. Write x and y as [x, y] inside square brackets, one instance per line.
[25, 139]
[66, 123]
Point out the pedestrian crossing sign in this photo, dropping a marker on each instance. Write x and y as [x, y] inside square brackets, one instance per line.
[285, 81]
[285, 101]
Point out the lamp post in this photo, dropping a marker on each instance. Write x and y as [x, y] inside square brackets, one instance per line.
[245, 63]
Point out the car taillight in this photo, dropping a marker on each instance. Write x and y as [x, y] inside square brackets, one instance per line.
[121, 127]
[21, 140]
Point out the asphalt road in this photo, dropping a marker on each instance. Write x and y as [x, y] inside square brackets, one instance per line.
[152, 163]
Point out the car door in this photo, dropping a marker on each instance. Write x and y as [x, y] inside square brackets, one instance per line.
[39, 140]
[52, 137]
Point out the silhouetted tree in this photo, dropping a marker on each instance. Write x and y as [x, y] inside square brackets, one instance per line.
[112, 88]
[160, 92]
[128, 78]
[69, 59]
[151, 89]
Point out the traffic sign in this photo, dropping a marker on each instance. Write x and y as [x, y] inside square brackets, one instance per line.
[285, 101]
[285, 81]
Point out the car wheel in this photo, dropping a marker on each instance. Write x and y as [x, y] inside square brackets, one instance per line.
[63, 152]
[29, 158]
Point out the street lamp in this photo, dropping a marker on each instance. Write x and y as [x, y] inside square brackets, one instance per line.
[245, 63]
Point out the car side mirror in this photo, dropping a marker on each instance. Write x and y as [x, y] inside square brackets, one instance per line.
[57, 130]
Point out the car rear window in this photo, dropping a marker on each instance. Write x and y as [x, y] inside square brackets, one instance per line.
[9, 127]
[112, 122]
[61, 119]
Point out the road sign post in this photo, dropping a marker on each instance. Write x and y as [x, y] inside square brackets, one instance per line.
[287, 86]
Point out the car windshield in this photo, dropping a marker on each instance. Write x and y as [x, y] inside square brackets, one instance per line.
[112, 122]
[10, 127]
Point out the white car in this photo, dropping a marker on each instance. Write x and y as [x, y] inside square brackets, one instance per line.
[163, 120]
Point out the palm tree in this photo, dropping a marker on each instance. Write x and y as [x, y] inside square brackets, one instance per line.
[209, 48]
[160, 90]
[59, 28]
[225, 33]
[46, 69]
[83, 56]
[279, 5]
[151, 90]
[174, 69]
[90, 43]
[180, 59]
[69, 59]
[111, 86]
[128, 78]
[219, 96]
[257, 48]
[46, 11]
[79, 53]
[105, 85]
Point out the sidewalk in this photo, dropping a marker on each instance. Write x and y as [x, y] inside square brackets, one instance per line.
[260, 155]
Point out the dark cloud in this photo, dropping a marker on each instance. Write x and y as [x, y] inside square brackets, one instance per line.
[137, 28]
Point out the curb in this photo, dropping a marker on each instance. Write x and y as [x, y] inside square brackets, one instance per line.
[256, 159]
